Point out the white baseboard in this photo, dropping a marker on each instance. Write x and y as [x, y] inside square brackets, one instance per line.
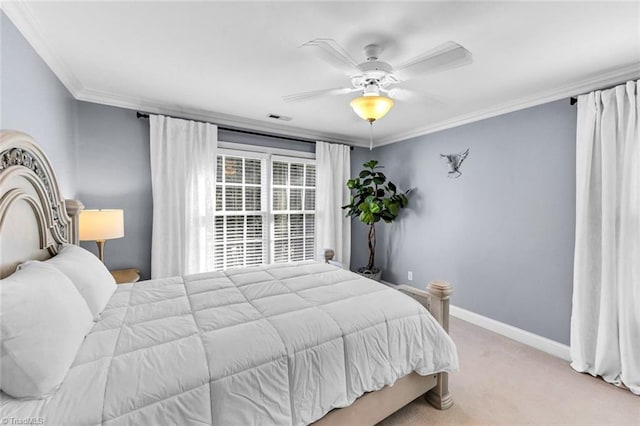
[541, 343]
[389, 284]
[519, 335]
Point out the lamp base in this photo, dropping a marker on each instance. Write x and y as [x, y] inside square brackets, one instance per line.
[100, 244]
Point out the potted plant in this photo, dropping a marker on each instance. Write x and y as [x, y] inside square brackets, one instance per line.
[374, 198]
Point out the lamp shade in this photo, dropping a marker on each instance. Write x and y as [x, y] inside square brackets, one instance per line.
[371, 108]
[100, 225]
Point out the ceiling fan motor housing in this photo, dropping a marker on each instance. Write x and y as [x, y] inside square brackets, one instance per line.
[372, 51]
[376, 73]
[375, 67]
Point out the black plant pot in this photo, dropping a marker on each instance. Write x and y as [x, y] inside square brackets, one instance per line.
[374, 274]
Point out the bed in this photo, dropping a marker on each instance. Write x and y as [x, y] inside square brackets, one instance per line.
[299, 343]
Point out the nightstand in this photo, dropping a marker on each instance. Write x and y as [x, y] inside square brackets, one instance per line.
[124, 276]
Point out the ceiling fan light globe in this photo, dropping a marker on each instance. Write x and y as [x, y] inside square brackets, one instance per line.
[371, 108]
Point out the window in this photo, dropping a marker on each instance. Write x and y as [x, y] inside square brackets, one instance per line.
[293, 184]
[240, 212]
[265, 209]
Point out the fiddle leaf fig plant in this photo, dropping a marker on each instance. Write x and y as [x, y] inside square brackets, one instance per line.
[374, 198]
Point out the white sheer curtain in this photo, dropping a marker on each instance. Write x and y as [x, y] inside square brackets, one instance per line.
[333, 229]
[183, 166]
[605, 322]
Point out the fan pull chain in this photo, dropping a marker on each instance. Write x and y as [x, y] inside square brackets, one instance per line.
[370, 135]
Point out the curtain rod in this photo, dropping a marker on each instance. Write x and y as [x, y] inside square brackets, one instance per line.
[574, 99]
[145, 116]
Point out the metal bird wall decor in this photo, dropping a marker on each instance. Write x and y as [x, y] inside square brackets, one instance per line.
[454, 161]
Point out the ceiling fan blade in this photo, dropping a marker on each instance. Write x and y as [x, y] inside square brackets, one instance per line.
[297, 97]
[446, 56]
[334, 54]
[402, 94]
[408, 95]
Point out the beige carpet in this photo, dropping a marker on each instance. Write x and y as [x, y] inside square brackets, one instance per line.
[503, 382]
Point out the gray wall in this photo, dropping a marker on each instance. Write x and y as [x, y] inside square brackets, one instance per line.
[503, 232]
[114, 172]
[34, 101]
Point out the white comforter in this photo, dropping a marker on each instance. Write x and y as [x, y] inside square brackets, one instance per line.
[279, 344]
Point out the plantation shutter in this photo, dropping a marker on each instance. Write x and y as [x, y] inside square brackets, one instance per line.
[240, 228]
[265, 209]
[293, 185]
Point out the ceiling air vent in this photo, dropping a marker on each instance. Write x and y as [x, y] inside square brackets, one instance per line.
[279, 117]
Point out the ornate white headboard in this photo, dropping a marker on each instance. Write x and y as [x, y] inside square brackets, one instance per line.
[34, 218]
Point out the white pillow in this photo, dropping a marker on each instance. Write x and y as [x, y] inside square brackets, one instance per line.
[92, 279]
[43, 321]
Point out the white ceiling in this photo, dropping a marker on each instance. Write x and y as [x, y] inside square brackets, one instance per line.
[231, 62]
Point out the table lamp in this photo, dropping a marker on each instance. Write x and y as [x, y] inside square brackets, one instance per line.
[101, 225]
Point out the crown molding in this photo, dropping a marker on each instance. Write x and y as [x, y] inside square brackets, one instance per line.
[220, 119]
[23, 18]
[604, 80]
[20, 13]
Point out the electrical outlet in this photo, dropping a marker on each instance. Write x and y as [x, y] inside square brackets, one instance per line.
[410, 276]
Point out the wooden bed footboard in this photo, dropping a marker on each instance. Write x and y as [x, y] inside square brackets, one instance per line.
[436, 300]
[375, 406]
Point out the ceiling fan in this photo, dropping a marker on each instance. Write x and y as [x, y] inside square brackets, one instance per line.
[375, 78]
